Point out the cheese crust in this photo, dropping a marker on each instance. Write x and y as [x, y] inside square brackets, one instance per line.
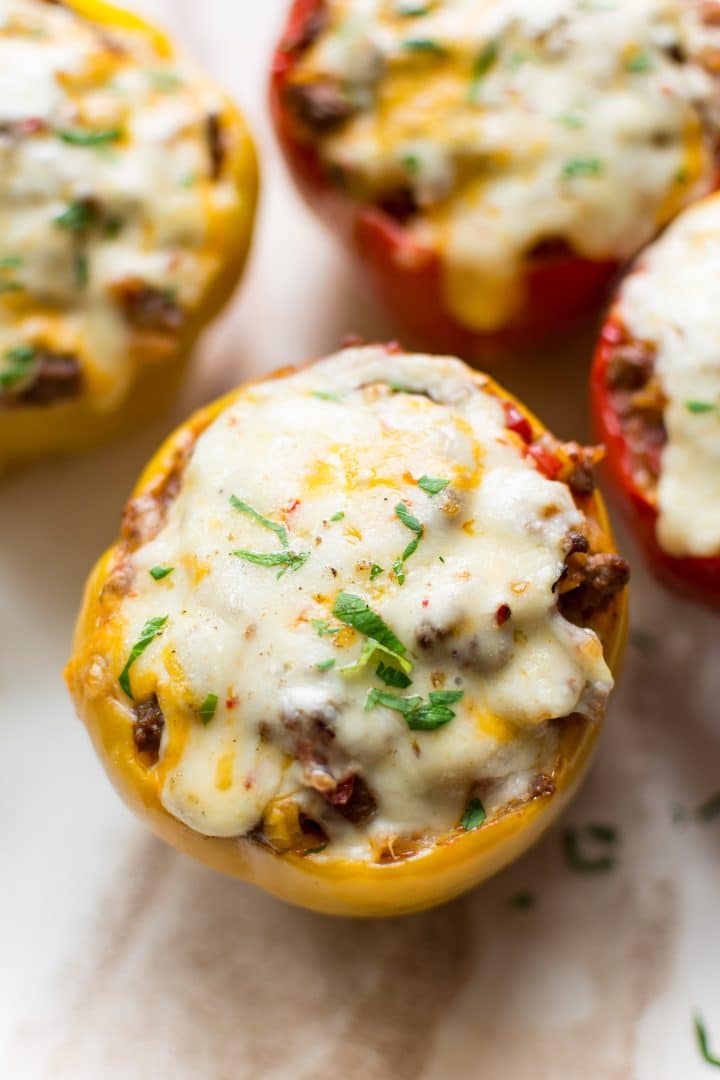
[352, 587]
[501, 131]
[127, 191]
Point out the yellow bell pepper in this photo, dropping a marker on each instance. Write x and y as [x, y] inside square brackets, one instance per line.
[31, 432]
[329, 884]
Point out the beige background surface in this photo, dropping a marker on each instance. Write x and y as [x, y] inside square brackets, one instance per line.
[122, 960]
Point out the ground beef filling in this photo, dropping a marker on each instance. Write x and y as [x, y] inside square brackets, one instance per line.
[639, 403]
[53, 378]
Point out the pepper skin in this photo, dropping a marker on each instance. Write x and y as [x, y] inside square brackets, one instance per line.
[336, 886]
[30, 433]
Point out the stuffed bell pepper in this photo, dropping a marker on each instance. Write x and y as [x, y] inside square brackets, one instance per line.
[493, 163]
[127, 194]
[357, 637]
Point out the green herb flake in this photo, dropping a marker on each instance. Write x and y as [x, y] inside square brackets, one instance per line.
[113, 227]
[573, 841]
[160, 572]
[324, 395]
[486, 59]
[572, 120]
[419, 715]
[315, 850]
[375, 571]
[164, 80]
[149, 632]
[325, 665]
[10, 287]
[423, 45]
[639, 63]
[90, 138]
[78, 216]
[700, 406]
[324, 628]
[287, 560]
[189, 180]
[391, 676]
[353, 611]
[408, 9]
[703, 1043]
[208, 707]
[474, 815]
[11, 262]
[523, 901]
[19, 361]
[432, 485]
[411, 163]
[709, 810]
[244, 508]
[339, 516]
[579, 167]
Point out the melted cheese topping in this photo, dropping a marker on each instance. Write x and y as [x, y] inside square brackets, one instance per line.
[515, 122]
[328, 454]
[672, 301]
[79, 218]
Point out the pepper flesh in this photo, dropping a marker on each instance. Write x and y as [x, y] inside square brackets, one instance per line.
[338, 886]
[29, 433]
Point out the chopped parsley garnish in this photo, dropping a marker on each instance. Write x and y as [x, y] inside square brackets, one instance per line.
[113, 227]
[392, 677]
[10, 286]
[79, 215]
[11, 262]
[287, 560]
[426, 45]
[353, 611]
[189, 180]
[324, 395]
[409, 8]
[315, 850]
[573, 845]
[323, 627]
[432, 485]
[571, 120]
[578, 167]
[474, 815]
[19, 361]
[412, 523]
[208, 707]
[411, 163]
[90, 138]
[703, 1043]
[638, 63]
[279, 530]
[149, 632]
[325, 665]
[164, 80]
[700, 406]
[339, 516]
[485, 59]
[420, 715]
[375, 571]
[710, 809]
[160, 572]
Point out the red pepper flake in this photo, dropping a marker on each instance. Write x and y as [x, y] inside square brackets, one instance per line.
[426, 602]
[32, 126]
[291, 506]
[547, 463]
[232, 702]
[394, 347]
[515, 421]
[502, 614]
